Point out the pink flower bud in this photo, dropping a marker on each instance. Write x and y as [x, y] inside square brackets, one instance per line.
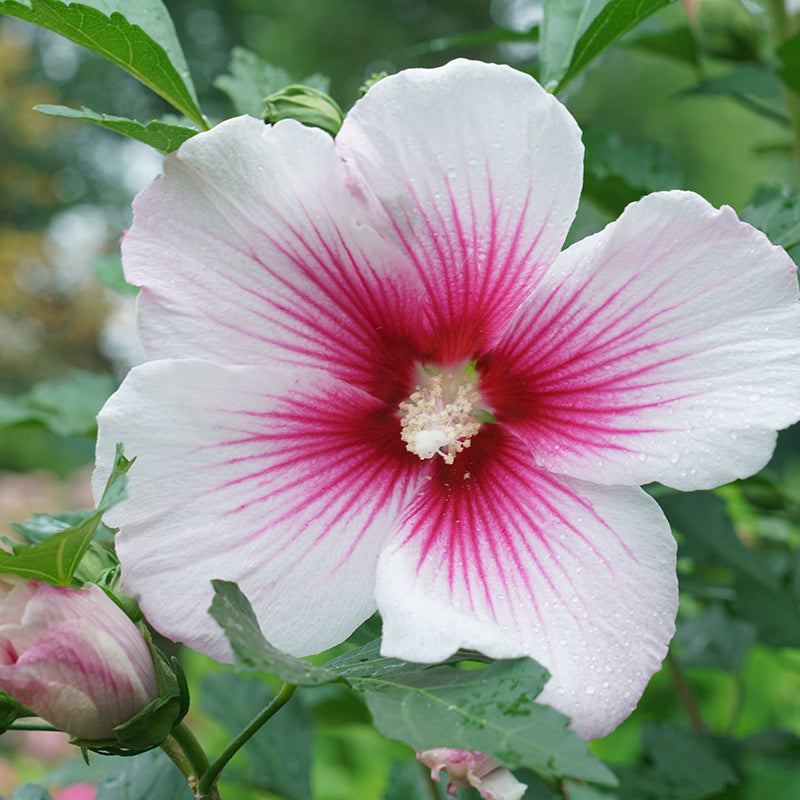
[468, 768]
[72, 657]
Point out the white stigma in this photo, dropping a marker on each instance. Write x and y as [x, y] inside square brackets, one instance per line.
[431, 426]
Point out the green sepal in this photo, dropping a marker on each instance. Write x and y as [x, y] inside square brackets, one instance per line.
[10, 711]
[305, 104]
[108, 581]
[154, 723]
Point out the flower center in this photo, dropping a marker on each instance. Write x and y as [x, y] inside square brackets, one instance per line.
[439, 418]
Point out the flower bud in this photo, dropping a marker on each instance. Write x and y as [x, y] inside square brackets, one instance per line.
[305, 104]
[73, 657]
[468, 768]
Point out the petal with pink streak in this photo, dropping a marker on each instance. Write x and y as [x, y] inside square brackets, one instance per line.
[286, 482]
[499, 556]
[664, 348]
[251, 246]
[479, 170]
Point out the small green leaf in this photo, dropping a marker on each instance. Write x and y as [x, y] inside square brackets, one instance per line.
[56, 558]
[137, 35]
[250, 79]
[160, 135]
[279, 755]
[615, 19]
[251, 651]
[563, 24]
[492, 710]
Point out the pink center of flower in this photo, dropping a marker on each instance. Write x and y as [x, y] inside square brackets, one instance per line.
[439, 418]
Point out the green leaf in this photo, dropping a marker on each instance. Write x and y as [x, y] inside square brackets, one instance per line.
[682, 766]
[137, 35]
[279, 755]
[475, 39]
[251, 651]
[366, 661]
[250, 79]
[789, 64]
[616, 19]
[66, 406]
[618, 173]
[162, 136]
[150, 776]
[754, 87]
[563, 24]
[577, 790]
[408, 781]
[491, 710]
[714, 639]
[56, 558]
[776, 212]
[10, 711]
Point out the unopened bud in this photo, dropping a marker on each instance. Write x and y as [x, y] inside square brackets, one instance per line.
[305, 104]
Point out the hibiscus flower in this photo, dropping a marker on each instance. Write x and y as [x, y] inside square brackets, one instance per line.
[377, 382]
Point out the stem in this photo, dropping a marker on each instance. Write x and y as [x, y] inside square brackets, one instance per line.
[188, 756]
[686, 696]
[211, 773]
[780, 32]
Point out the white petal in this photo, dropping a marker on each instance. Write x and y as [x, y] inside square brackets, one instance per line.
[479, 170]
[285, 482]
[498, 556]
[666, 347]
[251, 248]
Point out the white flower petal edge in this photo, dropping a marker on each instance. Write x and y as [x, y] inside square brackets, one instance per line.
[513, 561]
[267, 477]
[478, 171]
[251, 248]
[664, 348]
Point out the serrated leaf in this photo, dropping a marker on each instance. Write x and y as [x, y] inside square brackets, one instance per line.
[563, 24]
[56, 558]
[616, 19]
[491, 710]
[160, 135]
[250, 79]
[251, 651]
[279, 754]
[137, 35]
[150, 776]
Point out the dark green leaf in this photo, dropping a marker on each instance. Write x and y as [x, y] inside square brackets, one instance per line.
[137, 35]
[250, 79]
[160, 135]
[776, 211]
[474, 39]
[56, 558]
[754, 87]
[789, 66]
[715, 640]
[577, 790]
[618, 173]
[491, 710]
[66, 406]
[279, 755]
[682, 766]
[366, 661]
[150, 776]
[563, 24]
[11, 710]
[251, 651]
[616, 18]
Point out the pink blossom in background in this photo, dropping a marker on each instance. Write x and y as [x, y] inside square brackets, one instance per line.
[467, 768]
[73, 657]
[376, 381]
[78, 791]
